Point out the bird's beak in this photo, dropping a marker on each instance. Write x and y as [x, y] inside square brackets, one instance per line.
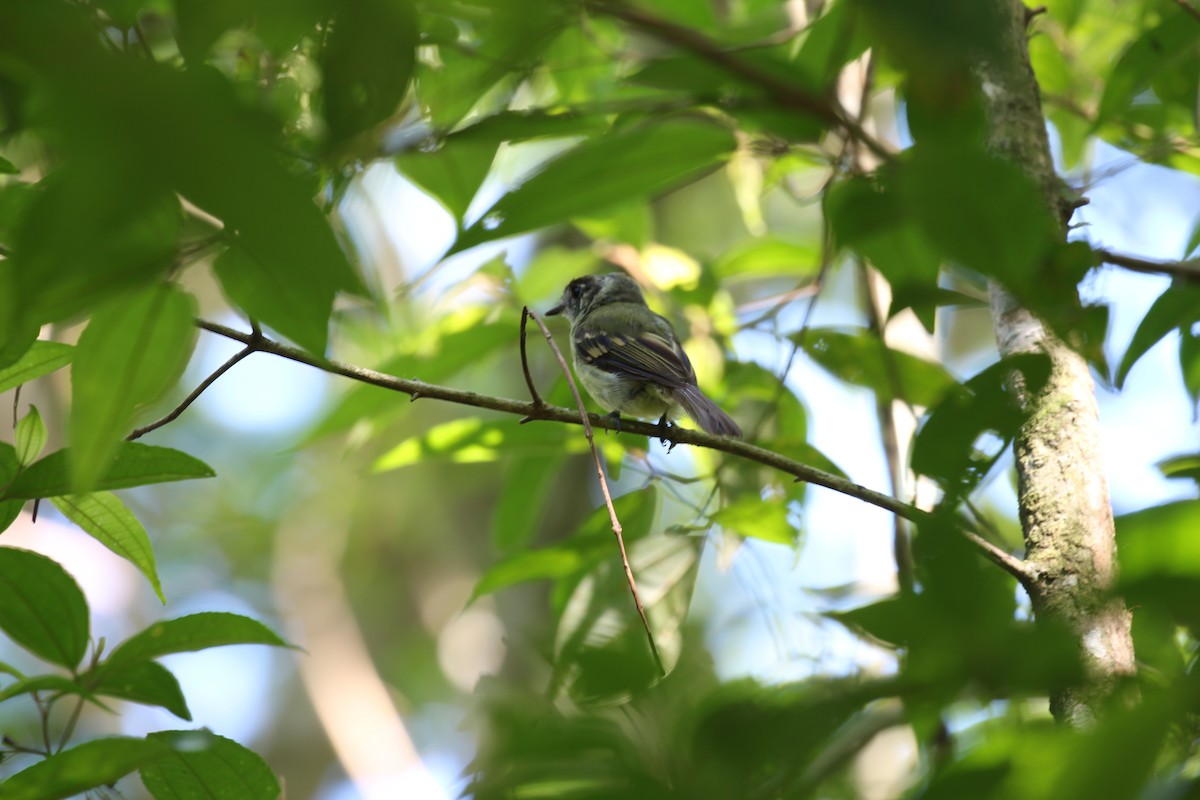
[558, 309]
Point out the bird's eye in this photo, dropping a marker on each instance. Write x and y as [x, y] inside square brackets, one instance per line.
[576, 290]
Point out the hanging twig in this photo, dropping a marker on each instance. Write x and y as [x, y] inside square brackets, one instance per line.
[612, 511]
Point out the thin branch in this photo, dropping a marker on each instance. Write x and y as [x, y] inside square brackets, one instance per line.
[1188, 270]
[674, 435]
[612, 511]
[1025, 572]
[533, 392]
[251, 346]
[782, 91]
[1189, 8]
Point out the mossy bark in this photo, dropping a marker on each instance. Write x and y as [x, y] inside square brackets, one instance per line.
[1065, 510]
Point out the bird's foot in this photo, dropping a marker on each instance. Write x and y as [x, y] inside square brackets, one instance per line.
[615, 416]
[664, 427]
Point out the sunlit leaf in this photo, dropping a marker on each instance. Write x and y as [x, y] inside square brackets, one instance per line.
[106, 519]
[193, 632]
[30, 437]
[769, 256]
[759, 519]
[548, 563]
[146, 339]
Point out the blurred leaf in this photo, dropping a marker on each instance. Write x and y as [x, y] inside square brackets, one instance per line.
[10, 465]
[41, 359]
[602, 172]
[1185, 466]
[769, 256]
[193, 632]
[547, 563]
[602, 652]
[944, 448]
[473, 440]
[1005, 232]
[145, 682]
[56, 684]
[42, 608]
[30, 437]
[133, 465]
[1160, 540]
[204, 766]
[1179, 305]
[367, 62]
[759, 519]
[861, 358]
[522, 501]
[95, 230]
[1189, 363]
[269, 292]
[7, 167]
[1170, 45]
[443, 354]
[128, 356]
[91, 765]
[452, 172]
[106, 519]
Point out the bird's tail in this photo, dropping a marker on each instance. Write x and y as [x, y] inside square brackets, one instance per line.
[706, 413]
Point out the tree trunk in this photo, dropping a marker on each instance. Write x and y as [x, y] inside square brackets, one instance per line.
[1064, 505]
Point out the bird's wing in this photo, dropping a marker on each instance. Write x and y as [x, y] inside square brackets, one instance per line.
[645, 355]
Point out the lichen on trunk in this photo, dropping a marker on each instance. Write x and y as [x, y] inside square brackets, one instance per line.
[1065, 510]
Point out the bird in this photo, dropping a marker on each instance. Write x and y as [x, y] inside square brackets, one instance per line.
[629, 358]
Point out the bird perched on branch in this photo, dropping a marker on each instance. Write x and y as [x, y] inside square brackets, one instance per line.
[628, 357]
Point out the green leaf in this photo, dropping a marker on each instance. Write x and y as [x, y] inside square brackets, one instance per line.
[1005, 232]
[40, 683]
[451, 173]
[547, 563]
[944, 448]
[268, 291]
[30, 437]
[7, 167]
[41, 359]
[93, 764]
[523, 501]
[1167, 47]
[42, 608]
[367, 62]
[860, 358]
[769, 255]
[106, 519]
[602, 172]
[1160, 540]
[1179, 305]
[191, 633]
[1185, 466]
[132, 351]
[98, 227]
[1189, 362]
[759, 519]
[204, 766]
[473, 441]
[145, 682]
[132, 465]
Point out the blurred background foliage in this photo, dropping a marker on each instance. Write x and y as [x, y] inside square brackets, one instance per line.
[387, 183]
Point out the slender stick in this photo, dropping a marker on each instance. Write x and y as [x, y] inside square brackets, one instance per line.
[674, 435]
[612, 511]
[1188, 270]
[533, 392]
[199, 390]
